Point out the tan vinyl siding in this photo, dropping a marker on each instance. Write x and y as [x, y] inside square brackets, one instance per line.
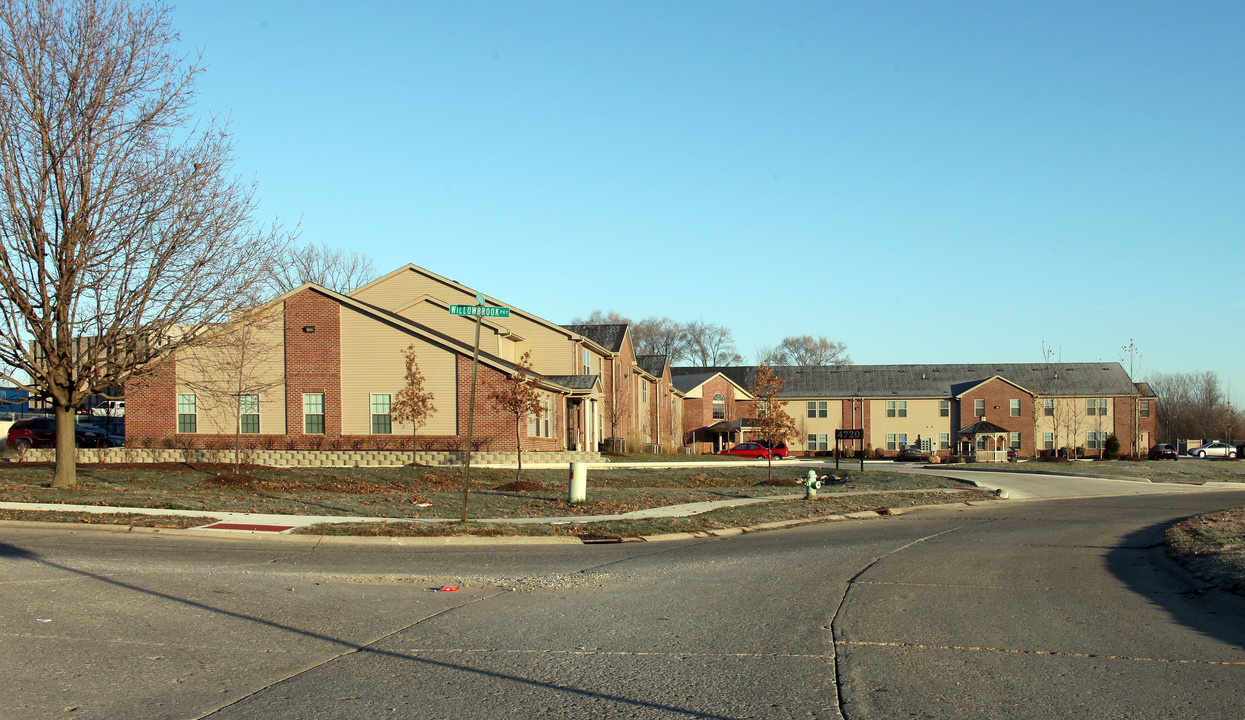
[380, 369]
[211, 374]
[552, 349]
[805, 425]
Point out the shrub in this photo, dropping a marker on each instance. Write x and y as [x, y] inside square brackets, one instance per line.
[1111, 448]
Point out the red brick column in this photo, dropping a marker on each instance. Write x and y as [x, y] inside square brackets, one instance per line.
[312, 360]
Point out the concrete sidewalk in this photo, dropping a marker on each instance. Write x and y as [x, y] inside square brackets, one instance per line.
[268, 524]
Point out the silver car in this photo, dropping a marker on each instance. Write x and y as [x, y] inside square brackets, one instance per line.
[1214, 449]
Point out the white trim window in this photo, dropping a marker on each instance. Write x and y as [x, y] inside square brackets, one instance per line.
[944, 441]
[818, 442]
[541, 424]
[1048, 407]
[1048, 441]
[1013, 407]
[187, 413]
[944, 409]
[1095, 440]
[719, 407]
[1096, 406]
[1143, 409]
[1015, 441]
[313, 413]
[979, 408]
[248, 415]
[382, 419]
[896, 408]
[817, 408]
[895, 441]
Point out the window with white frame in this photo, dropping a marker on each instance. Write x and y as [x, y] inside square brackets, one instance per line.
[896, 408]
[313, 413]
[719, 407]
[1093, 440]
[979, 408]
[818, 442]
[187, 413]
[1048, 441]
[1048, 407]
[817, 408]
[944, 408]
[1015, 441]
[382, 420]
[895, 441]
[1144, 408]
[944, 441]
[1096, 406]
[1013, 407]
[248, 414]
[544, 421]
[587, 362]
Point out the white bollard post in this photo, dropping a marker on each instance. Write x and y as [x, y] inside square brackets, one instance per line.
[579, 482]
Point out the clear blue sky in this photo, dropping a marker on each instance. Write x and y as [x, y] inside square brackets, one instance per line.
[924, 181]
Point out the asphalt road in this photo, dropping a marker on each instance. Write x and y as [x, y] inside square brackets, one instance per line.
[1016, 609]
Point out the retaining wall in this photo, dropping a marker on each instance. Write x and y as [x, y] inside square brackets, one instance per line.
[308, 458]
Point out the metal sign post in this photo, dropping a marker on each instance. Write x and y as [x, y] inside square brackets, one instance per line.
[849, 434]
[479, 311]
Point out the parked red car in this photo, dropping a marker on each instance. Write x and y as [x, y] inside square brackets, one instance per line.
[780, 450]
[40, 432]
[750, 450]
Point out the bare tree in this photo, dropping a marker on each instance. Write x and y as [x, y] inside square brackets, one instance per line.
[1192, 405]
[519, 398]
[413, 403]
[710, 345]
[601, 317]
[233, 366]
[339, 270]
[124, 234]
[774, 425]
[808, 351]
[660, 336]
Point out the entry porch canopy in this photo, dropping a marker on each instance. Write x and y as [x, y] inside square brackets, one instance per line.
[727, 432]
[983, 441]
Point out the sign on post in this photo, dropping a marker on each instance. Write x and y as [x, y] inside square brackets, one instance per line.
[480, 311]
[848, 434]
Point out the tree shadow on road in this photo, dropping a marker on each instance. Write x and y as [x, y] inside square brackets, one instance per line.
[1142, 563]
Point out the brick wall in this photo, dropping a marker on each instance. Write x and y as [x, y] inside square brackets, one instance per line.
[997, 394]
[857, 418]
[497, 428]
[151, 405]
[312, 360]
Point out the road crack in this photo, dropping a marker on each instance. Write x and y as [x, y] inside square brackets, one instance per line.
[1051, 653]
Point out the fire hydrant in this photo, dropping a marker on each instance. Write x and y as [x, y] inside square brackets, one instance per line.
[811, 483]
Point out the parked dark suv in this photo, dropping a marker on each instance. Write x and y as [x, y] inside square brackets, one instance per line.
[41, 432]
[1163, 451]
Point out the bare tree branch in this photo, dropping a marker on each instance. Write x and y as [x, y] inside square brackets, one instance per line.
[123, 233]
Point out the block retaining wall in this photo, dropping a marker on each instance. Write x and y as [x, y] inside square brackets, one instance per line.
[309, 458]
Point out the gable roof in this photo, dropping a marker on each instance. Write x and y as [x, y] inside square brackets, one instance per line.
[932, 380]
[688, 382]
[654, 365]
[609, 337]
[407, 325]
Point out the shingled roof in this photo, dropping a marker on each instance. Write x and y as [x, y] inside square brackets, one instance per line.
[654, 365]
[609, 337]
[933, 380]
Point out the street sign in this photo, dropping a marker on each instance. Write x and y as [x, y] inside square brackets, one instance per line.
[480, 311]
[850, 434]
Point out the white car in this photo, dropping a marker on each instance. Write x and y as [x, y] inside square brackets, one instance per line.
[110, 408]
[1214, 449]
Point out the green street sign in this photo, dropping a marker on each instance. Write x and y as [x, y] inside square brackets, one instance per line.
[480, 310]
